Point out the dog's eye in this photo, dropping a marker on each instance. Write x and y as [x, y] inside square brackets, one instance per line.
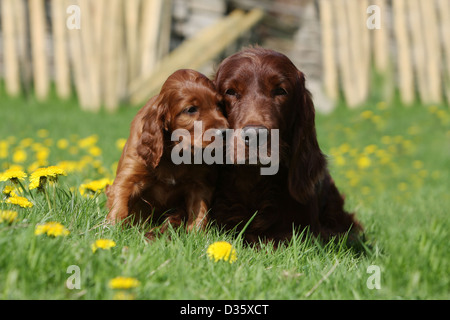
[231, 92]
[191, 110]
[279, 92]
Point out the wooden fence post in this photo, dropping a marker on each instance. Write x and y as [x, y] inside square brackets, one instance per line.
[404, 63]
[11, 61]
[38, 48]
[433, 50]
[150, 21]
[330, 73]
[111, 53]
[61, 61]
[444, 15]
[132, 10]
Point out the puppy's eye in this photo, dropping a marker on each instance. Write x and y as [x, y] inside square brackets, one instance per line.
[190, 110]
[279, 92]
[231, 92]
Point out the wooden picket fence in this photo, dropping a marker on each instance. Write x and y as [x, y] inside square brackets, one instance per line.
[410, 50]
[112, 51]
[108, 51]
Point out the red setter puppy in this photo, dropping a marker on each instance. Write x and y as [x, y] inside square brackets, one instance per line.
[148, 182]
[263, 90]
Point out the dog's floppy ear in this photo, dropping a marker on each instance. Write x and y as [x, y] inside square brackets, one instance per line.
[151, 143]
[307, 163]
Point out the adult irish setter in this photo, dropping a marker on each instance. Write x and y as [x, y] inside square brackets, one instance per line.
[263, 90]
[148, 182]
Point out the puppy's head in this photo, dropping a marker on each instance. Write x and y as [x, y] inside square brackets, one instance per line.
[188, 103]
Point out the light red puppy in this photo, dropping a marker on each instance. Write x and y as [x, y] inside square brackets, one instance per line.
[148, 184]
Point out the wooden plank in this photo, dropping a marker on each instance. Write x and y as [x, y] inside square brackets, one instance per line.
[330, 73]
[419, 51]
[90, 53]
[165, 30]
[364, 56]
[433, 51]
[381, 40]
[150, 22]
[132, 9]
[444, 22]
[110, 56]
[227, 37]
[23, 51]
[38, 48]
[76, 62]
[61, 60]
[404, 59]
[11, 61]
[145, 87]
[344, 53]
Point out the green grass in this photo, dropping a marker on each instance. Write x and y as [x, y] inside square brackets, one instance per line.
[400, 194]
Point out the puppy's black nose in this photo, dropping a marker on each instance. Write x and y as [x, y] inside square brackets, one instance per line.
[250, 134]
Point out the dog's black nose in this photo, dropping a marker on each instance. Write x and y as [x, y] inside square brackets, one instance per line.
[250, 134]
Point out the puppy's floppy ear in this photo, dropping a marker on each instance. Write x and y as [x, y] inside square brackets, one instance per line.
[307, 163]
[151, 142]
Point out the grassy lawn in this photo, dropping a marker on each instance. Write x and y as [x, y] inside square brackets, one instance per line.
[392, 162]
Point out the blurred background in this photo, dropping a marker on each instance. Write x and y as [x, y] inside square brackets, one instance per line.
[108, 53]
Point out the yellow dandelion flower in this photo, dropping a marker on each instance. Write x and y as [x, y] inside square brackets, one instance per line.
[121, 143]
[340, 161]
[122, 295]
[68, 166]
[8, 216]
[402, 186]
[371, 148]
[10, 191]
[94, 186]
[95, 151]
[123, 283]
[423, 173]
[104, 244]
[386, 140]
[366, 114]
[221, 250]
[417, 164]
[19, 156]
[53, 229]
[26, 142]
[62, 144]
[20, 201]
[436, 174]
[343, 148]
[42, 133]
[382, 105]
[433, 109]
[364, 162]
[365, 190]
[88, 142]
[13, 175]
[40, 176]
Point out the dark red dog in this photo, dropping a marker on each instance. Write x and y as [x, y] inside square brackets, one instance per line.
[263, 90]
[148, 182]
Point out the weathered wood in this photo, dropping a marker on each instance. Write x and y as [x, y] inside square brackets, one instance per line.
[433, 51]
[182, 57]
[150, 21]
[11, 61]
[330, 72]
[61, 60]
[111, 54]
[444, 19]
[404, 59]
[38, 48]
